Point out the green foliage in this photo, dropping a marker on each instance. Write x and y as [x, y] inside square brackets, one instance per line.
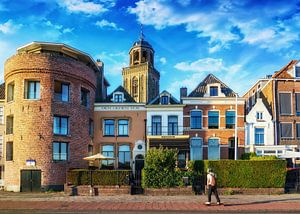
[160, 170]
[253, 156]
[99, 177]
[245, 173]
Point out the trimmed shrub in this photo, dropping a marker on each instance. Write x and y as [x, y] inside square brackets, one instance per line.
[254, 156]
[159, 168]
[99, 177]
[245, 173]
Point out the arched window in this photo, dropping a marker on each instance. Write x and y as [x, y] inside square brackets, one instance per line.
[196, 145]
[136, 56]
[144, 56]
[134, 86]
[213, 149]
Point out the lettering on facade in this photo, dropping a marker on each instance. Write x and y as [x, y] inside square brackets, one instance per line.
[118, 108]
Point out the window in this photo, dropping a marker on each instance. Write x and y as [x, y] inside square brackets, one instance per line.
[213, 91]
[108, 151]
[85, 100]
[10, 124]
[9, 151]
[109, 128]
[297, 97]
[1, 146]
[230, 119]
[156, 125]
[90, 150]
[134, 87]
[60, 151]
[298, 131]
[196, 120]
[181, 159]
[61, 91]
[196, 149]
[1, 115]
[213, 119]
[286, 130]
[123, 128]
[61, 125]
[213, 149]
[10, 91]
[259, 136]
[124, 157]
[297, 71]
[32, 89]
[259, 115]
[91, 128]
[118, 98]
[164, 100]
[285, 103]
[173, 125]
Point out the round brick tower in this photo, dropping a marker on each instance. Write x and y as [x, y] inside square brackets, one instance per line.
[50, 93]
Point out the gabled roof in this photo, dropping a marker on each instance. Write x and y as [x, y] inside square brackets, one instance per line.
[283, 72]
[2, 91]
[156, 100]
[200, 90]
[127, 97]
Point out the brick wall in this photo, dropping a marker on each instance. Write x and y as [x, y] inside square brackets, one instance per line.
[33, 119]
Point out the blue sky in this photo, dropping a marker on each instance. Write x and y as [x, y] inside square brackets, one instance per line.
[238, 41]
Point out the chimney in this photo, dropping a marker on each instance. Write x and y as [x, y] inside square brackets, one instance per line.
[183, 92]
[99, 63]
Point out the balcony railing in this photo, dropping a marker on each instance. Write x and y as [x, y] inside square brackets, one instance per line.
[164, 130]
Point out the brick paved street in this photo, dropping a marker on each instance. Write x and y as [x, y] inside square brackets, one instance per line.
[58, 202]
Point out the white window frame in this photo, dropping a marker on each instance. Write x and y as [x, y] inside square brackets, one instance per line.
[261, 115]
[293, 134]
[286, 92]
[201, 118]
[219, 118]
[118, 93]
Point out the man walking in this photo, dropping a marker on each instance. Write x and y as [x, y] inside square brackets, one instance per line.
[212, 187]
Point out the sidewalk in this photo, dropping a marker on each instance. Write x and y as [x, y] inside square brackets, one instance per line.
[233, 203]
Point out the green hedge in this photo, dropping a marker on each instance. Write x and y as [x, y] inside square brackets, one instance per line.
[99, 177]
[244, 173]
[159, 170]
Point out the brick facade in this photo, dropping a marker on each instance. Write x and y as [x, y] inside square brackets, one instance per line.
[33, 119]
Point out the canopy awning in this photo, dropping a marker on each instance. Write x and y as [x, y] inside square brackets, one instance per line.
[290, 154]
[98, 156]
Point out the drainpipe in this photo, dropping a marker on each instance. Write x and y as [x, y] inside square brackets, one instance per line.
[275, 112]
[235, 129]
[145, 133]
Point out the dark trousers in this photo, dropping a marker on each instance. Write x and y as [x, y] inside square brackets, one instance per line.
[213, 189]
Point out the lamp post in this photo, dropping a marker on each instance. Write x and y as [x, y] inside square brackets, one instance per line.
[235, 128]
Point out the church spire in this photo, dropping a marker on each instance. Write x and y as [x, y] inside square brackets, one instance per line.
[142, 36]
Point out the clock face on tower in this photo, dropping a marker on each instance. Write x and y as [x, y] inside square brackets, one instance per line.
[140, 147]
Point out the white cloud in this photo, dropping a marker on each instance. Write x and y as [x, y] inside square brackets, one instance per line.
[201, 65]
[163, 60]
[86, 6]
[226, 22]
[9, 27]
[114, 62]
[184, 3]
[55, 31]
[106, 24]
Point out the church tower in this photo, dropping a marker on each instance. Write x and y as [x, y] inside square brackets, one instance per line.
[141, 79]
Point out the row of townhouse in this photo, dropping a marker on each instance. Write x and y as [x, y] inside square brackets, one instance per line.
[273, 113]
[55, 110]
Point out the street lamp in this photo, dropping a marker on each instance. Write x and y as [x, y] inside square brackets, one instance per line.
[235, 128]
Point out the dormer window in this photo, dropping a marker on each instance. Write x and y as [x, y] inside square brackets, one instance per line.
[118, 97]
[213, 91]
[297, 71]
[259, 115]
[164, 100]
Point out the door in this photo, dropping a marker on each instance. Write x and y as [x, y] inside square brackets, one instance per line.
[30, 180]
[231, 148]
[139, 165]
